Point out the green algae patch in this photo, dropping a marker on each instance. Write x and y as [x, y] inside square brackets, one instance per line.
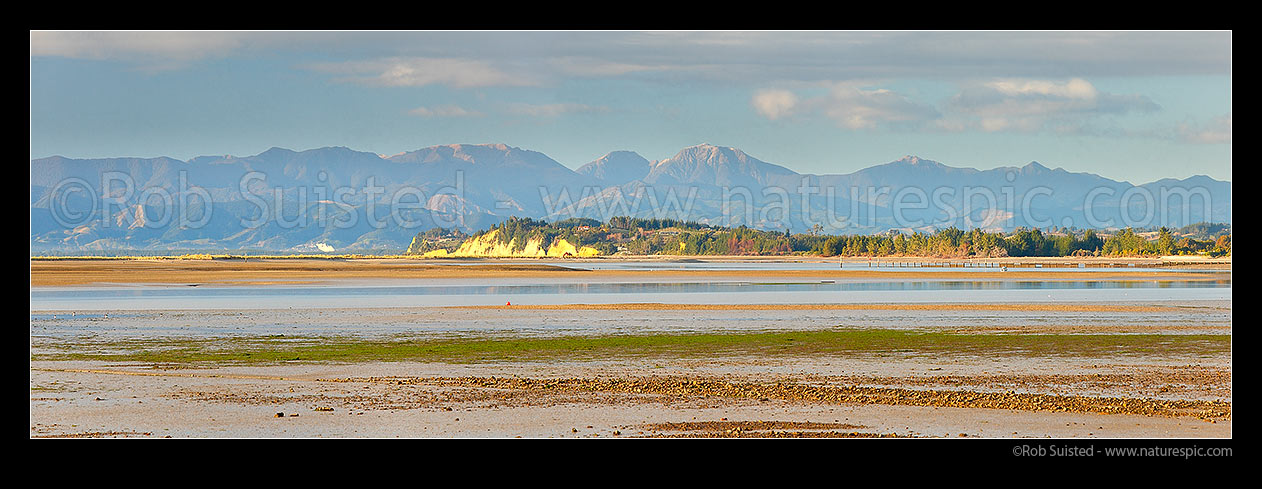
[474, 349]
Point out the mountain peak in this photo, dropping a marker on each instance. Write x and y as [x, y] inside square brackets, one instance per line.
[911, 159]
[618, 166]
[468, 146]
[620, 152]
[711, 147]
[276, 150]
[714, 165]
[496, 146]
[707, 150]
[914, 160]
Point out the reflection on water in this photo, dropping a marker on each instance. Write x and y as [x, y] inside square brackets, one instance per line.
[877, 266]
[622, 288]
[1201, 317]
[421, 293]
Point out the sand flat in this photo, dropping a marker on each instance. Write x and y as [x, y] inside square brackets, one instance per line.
[1157, 392]
[576, 400]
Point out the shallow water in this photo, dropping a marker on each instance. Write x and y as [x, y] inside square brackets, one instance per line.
[1194, 317]
[876, 265]
[430, 293]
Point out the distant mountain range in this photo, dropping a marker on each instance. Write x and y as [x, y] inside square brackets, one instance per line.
[347, 200]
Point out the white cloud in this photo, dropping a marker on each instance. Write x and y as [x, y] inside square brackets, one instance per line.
[1076, 88]
[418, 72]
[855, 107]
[774, 104]
[851, 105]
[1034, 105]
[444, 111]
[134, 45]
[552, 110]
[1067, 107]
[758, 57]
[150, 51]
[1217, 131]
[587, 66]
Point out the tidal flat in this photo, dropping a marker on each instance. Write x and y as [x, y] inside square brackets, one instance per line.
[1121, 366]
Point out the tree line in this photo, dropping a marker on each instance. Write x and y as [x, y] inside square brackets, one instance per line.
[642, 236]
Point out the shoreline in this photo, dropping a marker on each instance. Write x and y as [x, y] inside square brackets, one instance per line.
[1095, 260]
[44, 273]
[944, 306]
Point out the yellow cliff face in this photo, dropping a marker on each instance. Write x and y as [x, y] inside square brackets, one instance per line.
[415, 246]
[487, 246]
[561, 247]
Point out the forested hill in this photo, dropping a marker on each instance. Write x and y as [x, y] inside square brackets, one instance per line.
[526, 237]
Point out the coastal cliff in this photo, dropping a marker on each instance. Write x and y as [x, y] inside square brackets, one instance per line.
[488, 245]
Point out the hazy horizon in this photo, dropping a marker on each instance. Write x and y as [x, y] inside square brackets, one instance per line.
[575, 167]
[1127, 105]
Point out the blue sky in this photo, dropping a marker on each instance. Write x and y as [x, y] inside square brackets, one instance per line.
[1127, 105]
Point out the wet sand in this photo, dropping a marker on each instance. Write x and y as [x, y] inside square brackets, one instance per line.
[876, 394]
[731, 398]
[1003, 394]
[78, 328]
